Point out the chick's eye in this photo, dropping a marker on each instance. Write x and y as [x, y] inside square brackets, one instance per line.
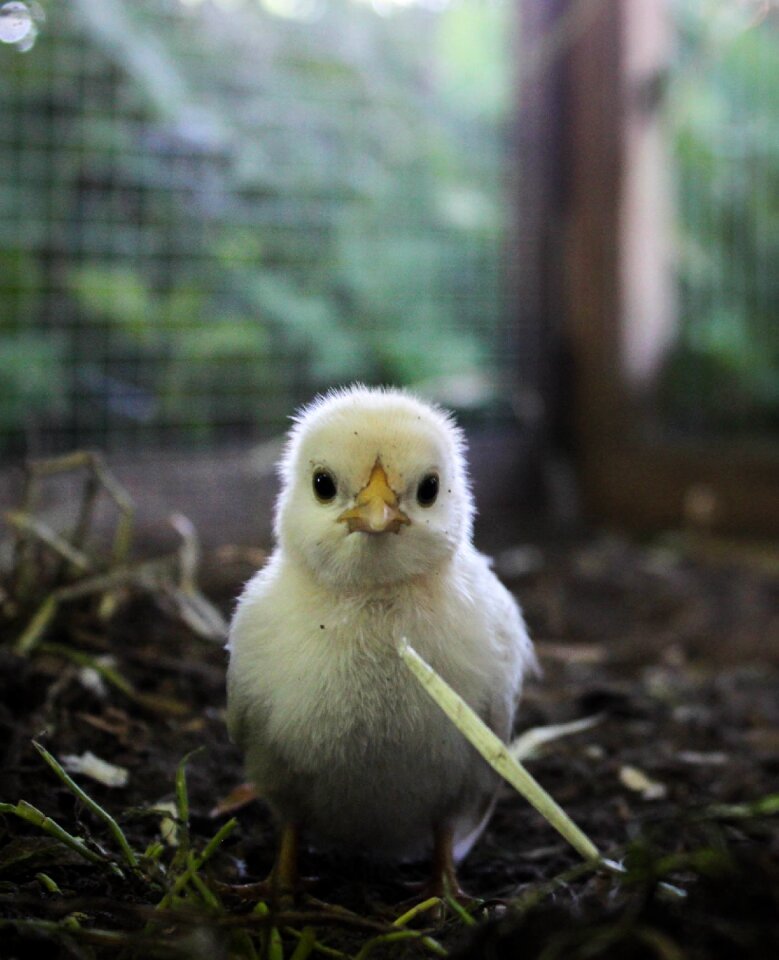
[324, 486]
[427, 491]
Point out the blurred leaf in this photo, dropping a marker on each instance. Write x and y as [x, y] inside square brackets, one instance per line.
[20, 286]
[226, 338]
[723, 370]
[32, 376]
[260, 207]
[118, 296]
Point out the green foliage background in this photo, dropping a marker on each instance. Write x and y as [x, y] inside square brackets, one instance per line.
[723, 120]
[208, 212]
[235, 209]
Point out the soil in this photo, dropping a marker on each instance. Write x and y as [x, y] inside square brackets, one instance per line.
[672, 645]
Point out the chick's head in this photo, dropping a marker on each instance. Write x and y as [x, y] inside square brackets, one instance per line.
[374, 489]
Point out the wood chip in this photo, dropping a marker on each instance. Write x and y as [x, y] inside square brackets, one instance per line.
[637, 781]
[236, 800]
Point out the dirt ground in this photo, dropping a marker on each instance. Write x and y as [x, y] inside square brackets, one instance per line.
[673, 645]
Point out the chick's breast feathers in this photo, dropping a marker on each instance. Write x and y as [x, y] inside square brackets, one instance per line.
[338, 736]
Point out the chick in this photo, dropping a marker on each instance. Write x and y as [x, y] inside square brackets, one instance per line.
[373, 528]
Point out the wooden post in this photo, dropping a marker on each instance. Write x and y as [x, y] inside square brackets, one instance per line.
[619, 308]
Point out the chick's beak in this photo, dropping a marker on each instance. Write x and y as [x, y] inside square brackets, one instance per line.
[376, 507]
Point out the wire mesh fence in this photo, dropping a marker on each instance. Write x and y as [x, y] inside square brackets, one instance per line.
[211, 210]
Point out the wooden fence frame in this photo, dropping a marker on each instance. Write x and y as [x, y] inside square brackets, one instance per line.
[599, 126]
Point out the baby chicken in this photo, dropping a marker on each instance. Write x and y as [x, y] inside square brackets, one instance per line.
[373, 529]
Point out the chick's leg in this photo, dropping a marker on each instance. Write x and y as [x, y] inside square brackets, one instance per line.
[284, 876]
[443, 879]
[281, 884]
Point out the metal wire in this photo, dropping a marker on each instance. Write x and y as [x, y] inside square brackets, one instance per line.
[211, 211]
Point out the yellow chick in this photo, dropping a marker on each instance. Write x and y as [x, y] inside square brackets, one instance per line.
[373, 528]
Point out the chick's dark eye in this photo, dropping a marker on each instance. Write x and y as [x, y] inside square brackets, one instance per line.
[427, 491]
[324, 485]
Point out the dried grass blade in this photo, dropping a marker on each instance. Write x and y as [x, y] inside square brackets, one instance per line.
[50, 538]
[495, 752]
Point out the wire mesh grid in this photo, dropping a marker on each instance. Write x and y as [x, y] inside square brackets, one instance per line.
[209, 211]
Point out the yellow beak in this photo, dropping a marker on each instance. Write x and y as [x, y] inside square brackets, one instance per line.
[376, 507]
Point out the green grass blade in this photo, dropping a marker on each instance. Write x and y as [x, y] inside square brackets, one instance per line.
[425, 905]
[26, 811]
[305, 944]
[93, 805]
[182, 801]
[197, 861]
[316, 945]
